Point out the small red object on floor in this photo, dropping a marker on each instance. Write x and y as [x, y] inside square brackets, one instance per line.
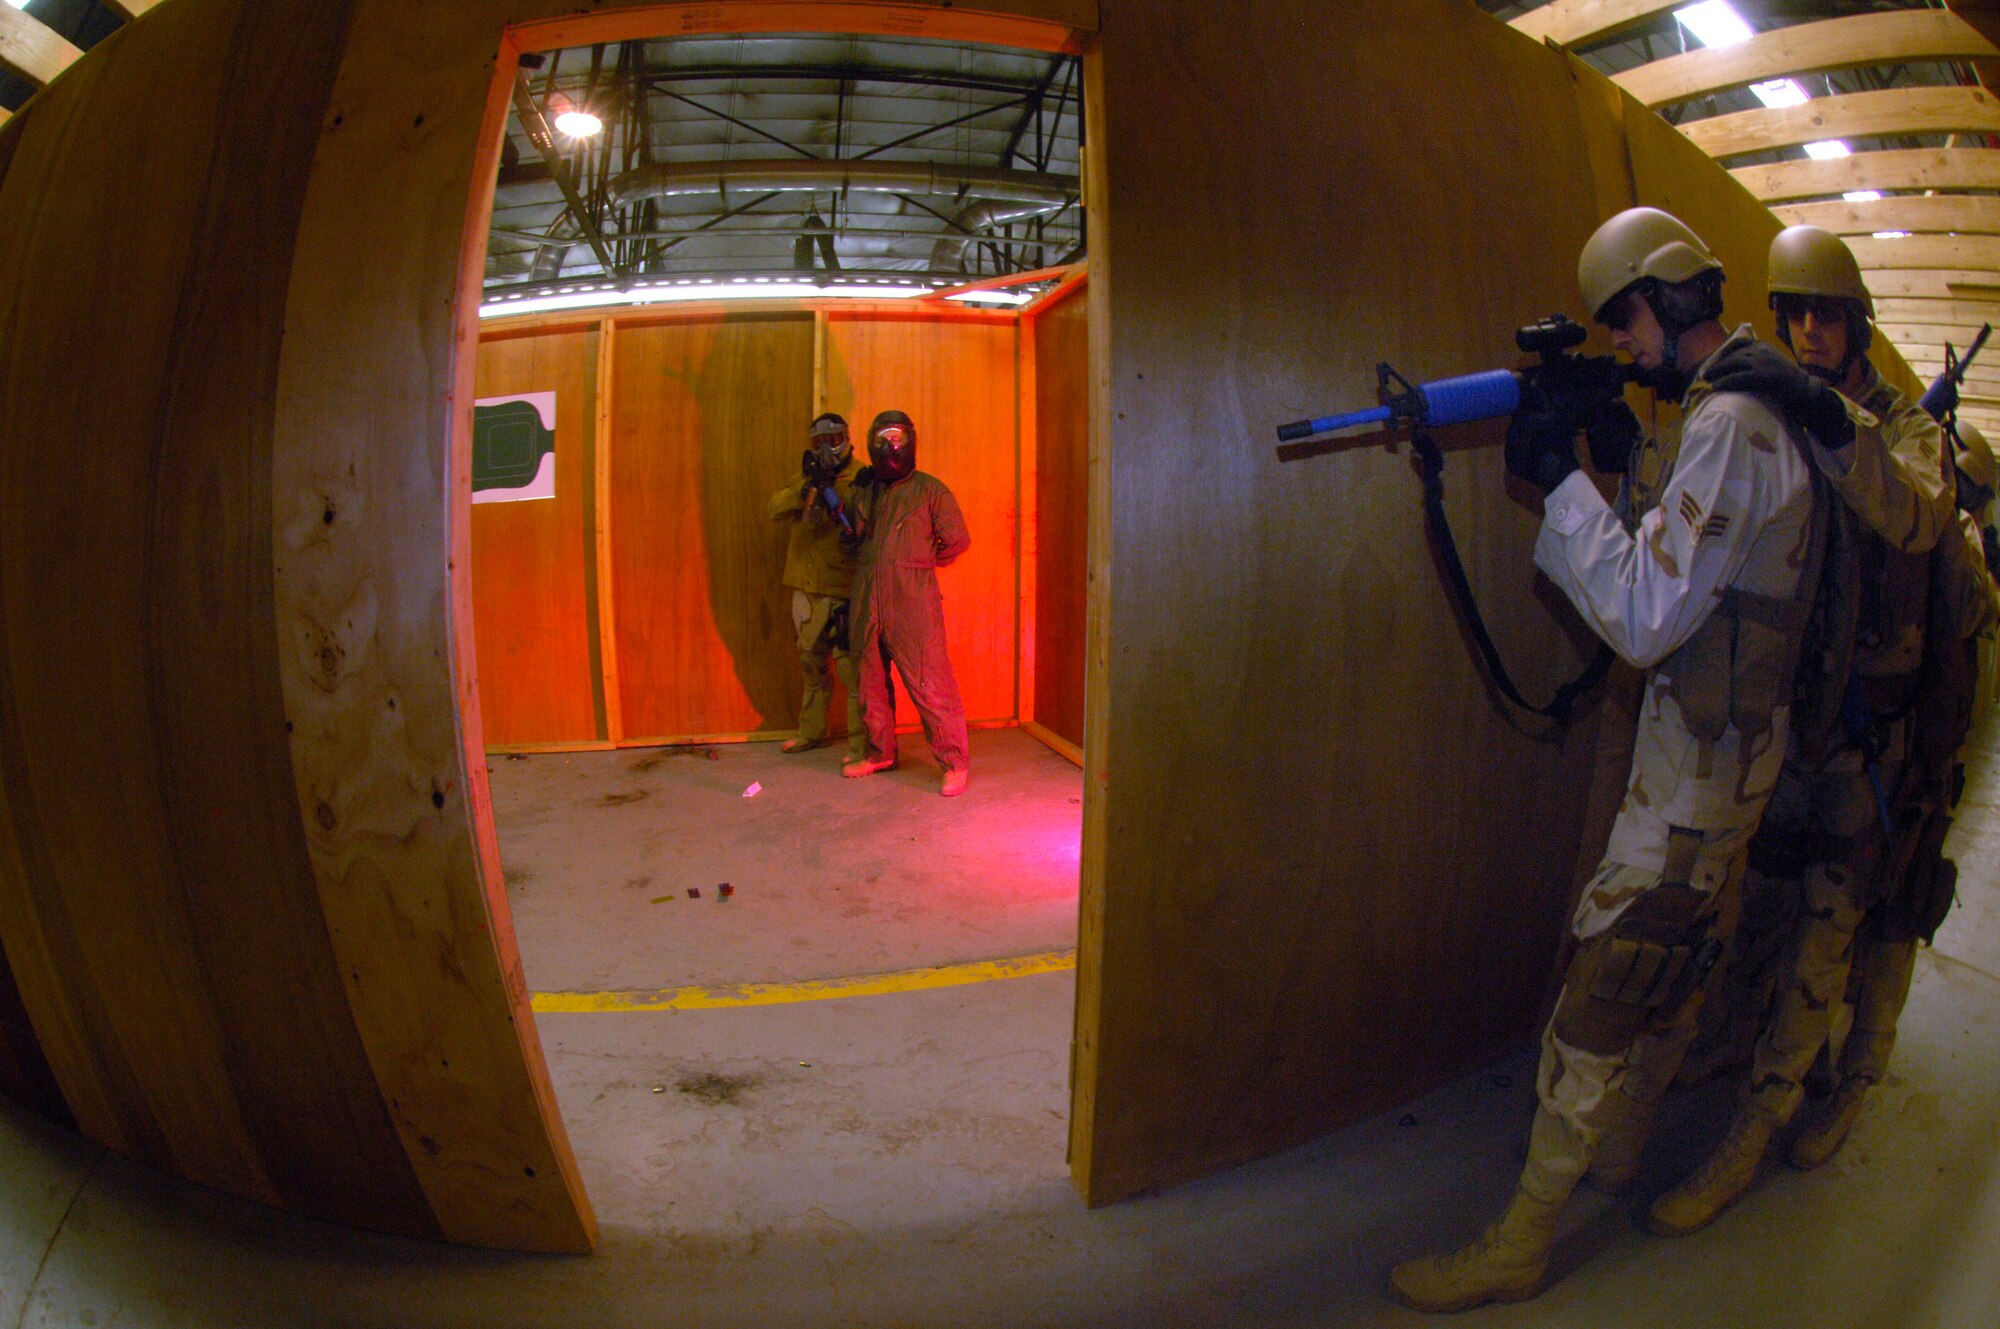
[694, 892]
[726, 889]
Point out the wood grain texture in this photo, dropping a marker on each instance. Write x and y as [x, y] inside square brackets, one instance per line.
[30, 49]
[1932, 283]
[1925, 110]
[1904, 168]
[1958, 213]
[1894, 38]
[533, 561]
[953, 373]
[1586, 22]
[370, 506]
[179, 956]
[1299, 850]
[1062, 507]
[708, 417]
[1926, 251]
[1972, 311]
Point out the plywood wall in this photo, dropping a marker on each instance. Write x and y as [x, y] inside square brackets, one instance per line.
[707, 418]
[1062, 510]
[1310, 898]
[533, 561]
[240, 893]
[158, 906]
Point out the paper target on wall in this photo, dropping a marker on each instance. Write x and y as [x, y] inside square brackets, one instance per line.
[514, 447]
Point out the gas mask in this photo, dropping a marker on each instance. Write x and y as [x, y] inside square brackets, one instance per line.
[830, 444]
[892, 447]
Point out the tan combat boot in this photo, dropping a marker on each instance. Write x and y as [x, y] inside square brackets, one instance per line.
[1821, 1137]
[1616, 1162]
[1506, 1263]
[1719, 1182]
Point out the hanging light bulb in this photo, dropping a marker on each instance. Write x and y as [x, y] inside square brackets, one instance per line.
[573, 120]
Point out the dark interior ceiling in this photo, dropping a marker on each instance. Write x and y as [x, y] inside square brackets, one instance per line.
[829, 158]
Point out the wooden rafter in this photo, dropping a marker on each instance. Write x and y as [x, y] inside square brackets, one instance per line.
[1946, 313]
[28, 47]
[1959, 213]
[1927, 251]
[1933, 283]
[1909, 168]
[1920, 335]
[1899, 37]
[1575, 22]
[1853, 115]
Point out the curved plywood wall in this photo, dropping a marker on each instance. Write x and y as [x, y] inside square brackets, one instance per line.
[248, 890]
[249, 895]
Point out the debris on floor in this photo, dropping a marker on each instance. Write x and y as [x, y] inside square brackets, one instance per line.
[754, 790]
[661, 899]
[694, 892]
[726, 890]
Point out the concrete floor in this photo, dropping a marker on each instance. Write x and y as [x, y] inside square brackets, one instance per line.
[897, 1160]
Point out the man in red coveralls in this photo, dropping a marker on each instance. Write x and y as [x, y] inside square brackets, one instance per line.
[910, 526]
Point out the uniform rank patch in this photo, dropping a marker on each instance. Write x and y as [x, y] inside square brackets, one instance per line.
[1713, 527]
[1690, 510]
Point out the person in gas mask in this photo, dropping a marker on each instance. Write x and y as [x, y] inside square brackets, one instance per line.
[819, 569]
[908, 526]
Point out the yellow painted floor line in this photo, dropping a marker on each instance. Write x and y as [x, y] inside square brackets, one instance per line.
[816, 989]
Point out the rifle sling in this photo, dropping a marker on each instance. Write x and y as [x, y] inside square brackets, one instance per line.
[1559, 706]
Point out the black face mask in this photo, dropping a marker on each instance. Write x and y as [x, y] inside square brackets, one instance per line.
[892, 447]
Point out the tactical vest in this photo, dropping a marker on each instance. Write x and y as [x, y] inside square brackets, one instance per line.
[1738, 666]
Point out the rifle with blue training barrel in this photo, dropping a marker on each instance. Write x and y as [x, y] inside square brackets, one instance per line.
[1561, 379]
[1577, 387]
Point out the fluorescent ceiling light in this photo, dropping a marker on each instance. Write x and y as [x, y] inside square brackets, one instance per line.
[1828, 149]
[992, 297]
[734, 289]
[1892, 235]
[1780, 92]
[578, 124]
[1863, 195]
[1714, 23]
[18, 4]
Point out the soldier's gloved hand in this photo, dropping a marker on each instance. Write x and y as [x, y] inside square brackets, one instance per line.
[1806, 401]
[865, 476]
[1612, 432]
[1541, 447]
